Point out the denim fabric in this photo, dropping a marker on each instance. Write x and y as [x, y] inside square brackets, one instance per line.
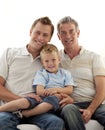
[48, 121]
[50, 99]
[32, 102]
[73, 119]
[54, 101]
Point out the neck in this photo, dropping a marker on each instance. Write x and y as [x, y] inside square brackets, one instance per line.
[32, 51]
[72, 52]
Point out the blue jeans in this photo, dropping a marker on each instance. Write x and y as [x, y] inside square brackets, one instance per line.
[47, 121]
[49, 99]
[73, 119]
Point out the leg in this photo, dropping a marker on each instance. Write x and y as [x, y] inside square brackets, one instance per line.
[39, 109]
[8, 121]
[72, 117]
[14, 105]
[46, 121]
[49, 103]
[99, 115]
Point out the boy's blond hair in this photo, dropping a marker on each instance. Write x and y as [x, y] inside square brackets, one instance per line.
[48, 49]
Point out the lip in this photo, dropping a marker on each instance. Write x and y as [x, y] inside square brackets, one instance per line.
[39, 43]
[51, 67]
[68, 41]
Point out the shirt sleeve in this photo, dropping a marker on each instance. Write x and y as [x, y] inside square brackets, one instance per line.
[39, 78]
[4, 63]
[98, 65]
[69, 79]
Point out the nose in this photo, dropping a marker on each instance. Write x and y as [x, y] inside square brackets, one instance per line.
[68, 35]
[41, 37]
[50, 63]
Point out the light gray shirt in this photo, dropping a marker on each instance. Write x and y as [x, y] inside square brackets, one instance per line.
[18, 68]
[83, 67]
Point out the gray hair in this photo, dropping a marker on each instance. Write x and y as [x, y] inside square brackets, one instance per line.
[67, 19]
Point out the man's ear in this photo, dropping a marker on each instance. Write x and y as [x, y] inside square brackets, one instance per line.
[58, 36]
[78, 33]
[30, 31]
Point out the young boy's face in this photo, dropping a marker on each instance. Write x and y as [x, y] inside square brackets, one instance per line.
[51, 61]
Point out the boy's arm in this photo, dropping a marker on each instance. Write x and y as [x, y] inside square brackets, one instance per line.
[46, 92]
[40, 90]
[66, 90]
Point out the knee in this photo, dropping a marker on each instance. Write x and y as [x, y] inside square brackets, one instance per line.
[4, 118]
[7, 117]
[59, 123]
[56, 120]
[68, 109]
[54, 123]
[52, 100]
[4, 115]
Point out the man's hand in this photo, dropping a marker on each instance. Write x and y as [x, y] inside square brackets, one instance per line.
[86, 115]
[35, 96]
[66, 99]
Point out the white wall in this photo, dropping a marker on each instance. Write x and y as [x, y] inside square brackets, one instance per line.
[18, 15]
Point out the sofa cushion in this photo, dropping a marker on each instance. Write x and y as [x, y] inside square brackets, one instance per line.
[28, 127]
[94, 125]
[91, 125]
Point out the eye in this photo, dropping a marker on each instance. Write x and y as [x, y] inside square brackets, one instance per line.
[46, 61]
[63, 33]
[45, 35]
[72, 31]
[37, 32]
[53, 59]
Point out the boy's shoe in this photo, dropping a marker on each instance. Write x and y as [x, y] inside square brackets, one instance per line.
[18, 113]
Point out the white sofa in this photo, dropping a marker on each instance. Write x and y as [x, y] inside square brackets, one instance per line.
[91, 125]
[27, 127]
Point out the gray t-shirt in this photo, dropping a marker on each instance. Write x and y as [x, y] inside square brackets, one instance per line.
[18, 68]
[84, 67]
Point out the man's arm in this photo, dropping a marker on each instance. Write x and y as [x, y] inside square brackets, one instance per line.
[100, 93]
[5, 94]
[98, 99]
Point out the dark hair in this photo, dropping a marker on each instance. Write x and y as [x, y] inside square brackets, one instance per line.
[44, 20]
